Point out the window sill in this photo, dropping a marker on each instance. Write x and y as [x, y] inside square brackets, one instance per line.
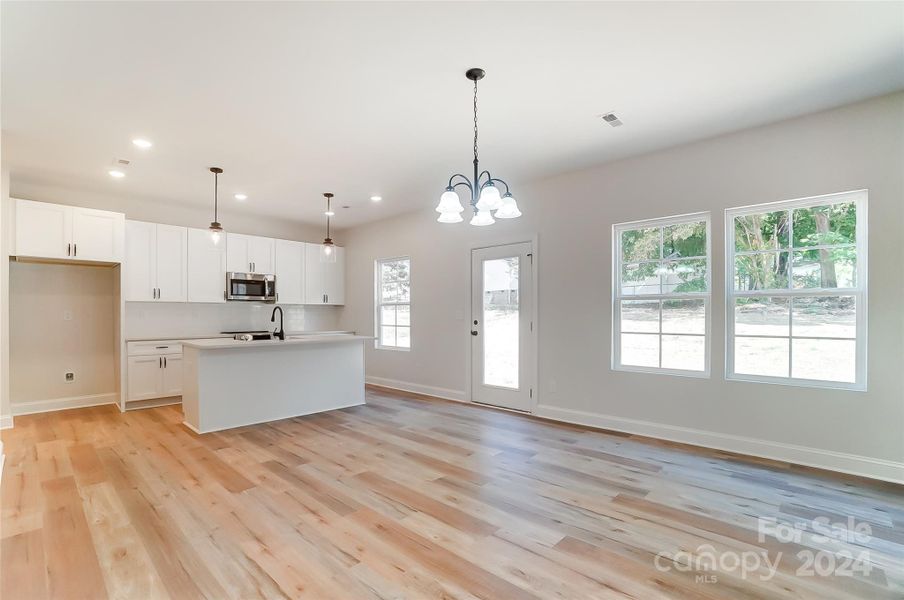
[658, 371]
[392, 348]
[806, 383]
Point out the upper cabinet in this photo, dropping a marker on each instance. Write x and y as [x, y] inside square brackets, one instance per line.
[289, 270]
[156, 267]
[249, 254]
[54, 231]
[206, 267]
[324, 280]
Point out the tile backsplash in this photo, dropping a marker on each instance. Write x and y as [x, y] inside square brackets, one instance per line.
[161, 319]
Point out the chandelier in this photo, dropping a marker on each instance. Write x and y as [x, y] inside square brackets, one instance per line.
[486, 201]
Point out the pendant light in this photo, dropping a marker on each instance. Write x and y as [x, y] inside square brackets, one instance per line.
[216, 230]
[485, 196]
[328, 249]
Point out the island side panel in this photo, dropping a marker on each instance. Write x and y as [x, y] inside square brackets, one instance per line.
[190, 388]
[243, 386]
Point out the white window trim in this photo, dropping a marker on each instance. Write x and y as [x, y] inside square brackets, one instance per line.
[859, 292]
[378, 303]
[617, 296]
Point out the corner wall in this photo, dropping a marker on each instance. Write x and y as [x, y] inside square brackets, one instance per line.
[853, 147]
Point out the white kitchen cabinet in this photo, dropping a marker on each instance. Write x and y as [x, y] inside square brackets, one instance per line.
[249, 253]
[171, 383]
[324, 281]
[54, 231]
[154, 370]
[289, 269]
[156, 264]
[206, 267]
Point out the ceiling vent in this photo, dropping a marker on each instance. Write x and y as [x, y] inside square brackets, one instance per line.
[611, 119]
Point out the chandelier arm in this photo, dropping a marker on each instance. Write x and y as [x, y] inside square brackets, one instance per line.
[494, 180]
[465, 177]
[467, 184]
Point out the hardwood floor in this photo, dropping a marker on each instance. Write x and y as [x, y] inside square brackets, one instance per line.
[409, 498]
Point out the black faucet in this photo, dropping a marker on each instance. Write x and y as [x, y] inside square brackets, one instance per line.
[279, 333]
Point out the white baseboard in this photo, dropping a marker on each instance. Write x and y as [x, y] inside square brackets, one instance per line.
[429, 390]
[40, 406]
[6, 421]
[865, 466]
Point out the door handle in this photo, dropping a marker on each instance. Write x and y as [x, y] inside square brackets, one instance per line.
[473, 332]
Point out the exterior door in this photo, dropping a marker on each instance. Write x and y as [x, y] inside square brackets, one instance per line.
[502, 342]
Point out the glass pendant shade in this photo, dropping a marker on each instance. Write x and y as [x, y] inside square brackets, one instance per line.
[327, 252]
[509, 208]
[489, 198]
[449, 203]
[215, 235]
[482, 218]
[450, 217]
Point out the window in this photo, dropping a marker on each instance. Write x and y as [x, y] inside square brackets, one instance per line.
[796, 291]
[393, 318]
[661, 295]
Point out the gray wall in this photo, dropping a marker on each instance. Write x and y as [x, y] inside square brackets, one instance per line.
[853, 147]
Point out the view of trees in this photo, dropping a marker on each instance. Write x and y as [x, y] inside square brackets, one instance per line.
[665, 259]
[820, 255]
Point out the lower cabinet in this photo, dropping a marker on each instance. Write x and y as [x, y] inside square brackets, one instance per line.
[154, 370]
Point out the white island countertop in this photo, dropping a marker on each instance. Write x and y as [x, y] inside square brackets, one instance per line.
[292, 340]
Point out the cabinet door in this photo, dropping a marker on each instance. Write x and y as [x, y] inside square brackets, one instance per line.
[171, 251]
[260, 253]
[145, 377]
[97, 234]
[140, 264]
[313, 275]
[206, 268]
[237, 256]
[289, 258]
[43, 230]
[334, 278]
[172, 376]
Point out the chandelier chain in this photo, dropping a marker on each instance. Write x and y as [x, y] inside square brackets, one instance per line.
[475, 121]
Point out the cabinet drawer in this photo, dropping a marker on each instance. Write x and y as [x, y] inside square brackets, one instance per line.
[154, 348]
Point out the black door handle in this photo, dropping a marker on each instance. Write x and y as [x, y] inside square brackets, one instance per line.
[473, 333]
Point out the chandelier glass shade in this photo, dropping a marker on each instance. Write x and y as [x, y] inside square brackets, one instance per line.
[485, 197]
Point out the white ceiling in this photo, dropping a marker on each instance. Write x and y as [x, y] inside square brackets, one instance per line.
[295, 99]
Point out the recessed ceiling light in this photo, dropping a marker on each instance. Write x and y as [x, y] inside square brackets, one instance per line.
[142, 143]
[241, 197]
[116, 173]
[329, 213]
[376, 198]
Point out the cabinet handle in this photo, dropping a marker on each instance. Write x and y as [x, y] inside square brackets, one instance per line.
[69, 249]
[159, 362]
[74, 249]
[164, 362]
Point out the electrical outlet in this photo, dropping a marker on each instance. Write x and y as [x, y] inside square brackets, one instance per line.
[70, 376]
[67, 315]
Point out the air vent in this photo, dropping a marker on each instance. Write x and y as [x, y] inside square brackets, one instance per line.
[123, 162]
[612, 119]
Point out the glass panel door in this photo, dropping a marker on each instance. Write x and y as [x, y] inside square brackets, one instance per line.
[501, 326]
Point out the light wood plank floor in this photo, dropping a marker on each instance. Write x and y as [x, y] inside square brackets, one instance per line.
[411, 498]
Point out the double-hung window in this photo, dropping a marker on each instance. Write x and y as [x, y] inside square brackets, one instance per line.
[661, 295]
[796, 291]
[393, 305]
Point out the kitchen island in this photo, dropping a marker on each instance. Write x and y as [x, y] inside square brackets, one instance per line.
[230, 383]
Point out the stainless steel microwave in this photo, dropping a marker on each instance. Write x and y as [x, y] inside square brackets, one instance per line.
[254, 287]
